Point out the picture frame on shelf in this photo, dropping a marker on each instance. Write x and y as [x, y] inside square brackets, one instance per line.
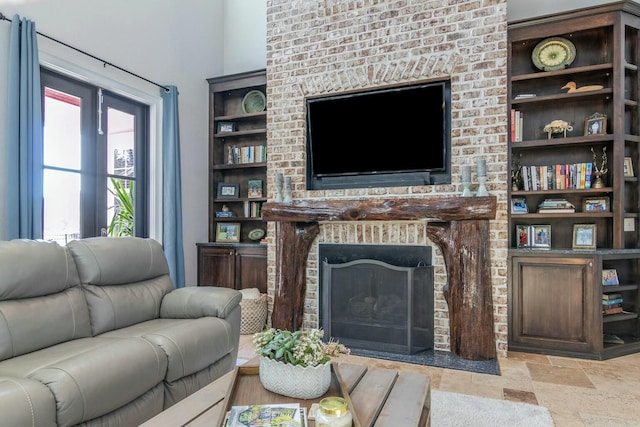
[226, 127]
[595, 204]
[584, 236]
[228, 190]
[541, 235]
[596, 124]
[609, 277]
[523, 236]
[628, 167]
[519, 205]
[254, 188]
[228, 232]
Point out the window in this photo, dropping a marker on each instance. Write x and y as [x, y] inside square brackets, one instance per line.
[93, 139]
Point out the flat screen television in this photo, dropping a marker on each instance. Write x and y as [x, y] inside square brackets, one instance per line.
[390, 137]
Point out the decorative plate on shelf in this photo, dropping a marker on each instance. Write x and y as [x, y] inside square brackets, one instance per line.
[553, 53]
[254, 102]
[256, 234]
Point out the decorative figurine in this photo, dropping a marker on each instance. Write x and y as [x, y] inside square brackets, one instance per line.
[599, 172]
[516, 173]
[557, 126]
[572, 87]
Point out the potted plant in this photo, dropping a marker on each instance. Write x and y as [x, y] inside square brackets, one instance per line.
[296, 364]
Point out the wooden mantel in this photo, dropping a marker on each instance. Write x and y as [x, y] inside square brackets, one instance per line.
[459, 226]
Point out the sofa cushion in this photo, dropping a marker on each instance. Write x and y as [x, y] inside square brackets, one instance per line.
[34, 323]
[41, 303]
[124, 278]
[189, 344]
[91, 377]
[118, 260]
[26, 402]
[33, 268]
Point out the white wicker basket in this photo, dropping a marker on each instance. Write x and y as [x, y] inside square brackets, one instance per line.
[254, 315]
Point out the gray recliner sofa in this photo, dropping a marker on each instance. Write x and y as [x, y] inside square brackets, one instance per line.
[94, 333]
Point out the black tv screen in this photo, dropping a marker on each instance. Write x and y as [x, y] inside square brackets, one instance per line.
[384, 138]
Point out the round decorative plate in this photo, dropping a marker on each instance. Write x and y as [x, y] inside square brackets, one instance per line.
[554, 53]
[254, 102]
[256, 234]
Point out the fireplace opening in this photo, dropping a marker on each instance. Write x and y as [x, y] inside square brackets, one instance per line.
[377, 297]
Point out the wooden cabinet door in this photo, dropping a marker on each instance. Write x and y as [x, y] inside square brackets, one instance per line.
[552, 304]
[251, 268]
[216, 266]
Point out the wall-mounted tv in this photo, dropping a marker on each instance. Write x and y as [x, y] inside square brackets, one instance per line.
[390, 137]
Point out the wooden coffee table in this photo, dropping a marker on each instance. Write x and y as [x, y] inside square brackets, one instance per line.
[380, 397]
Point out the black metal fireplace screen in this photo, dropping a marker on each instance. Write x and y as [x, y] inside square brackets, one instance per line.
[375, 305]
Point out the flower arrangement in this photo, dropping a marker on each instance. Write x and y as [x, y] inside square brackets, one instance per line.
[304, 347]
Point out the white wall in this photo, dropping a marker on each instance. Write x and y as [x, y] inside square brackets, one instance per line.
[166, 41]
[522, 9]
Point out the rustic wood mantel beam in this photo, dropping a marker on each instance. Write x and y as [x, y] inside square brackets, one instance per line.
[459, 226]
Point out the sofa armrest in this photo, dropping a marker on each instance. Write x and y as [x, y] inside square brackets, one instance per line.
[193, 302]
[26, 402]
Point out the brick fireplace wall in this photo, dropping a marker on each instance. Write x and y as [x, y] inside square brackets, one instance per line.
[335, 46]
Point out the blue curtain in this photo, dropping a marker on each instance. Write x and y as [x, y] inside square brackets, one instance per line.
[172, 193]
[24, 133]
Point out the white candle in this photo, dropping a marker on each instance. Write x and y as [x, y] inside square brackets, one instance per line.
[466, 173]
[481, 167]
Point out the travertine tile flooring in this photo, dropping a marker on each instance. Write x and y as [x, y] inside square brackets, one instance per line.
[577, 392]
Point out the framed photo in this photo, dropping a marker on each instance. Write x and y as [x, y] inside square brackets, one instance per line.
[595, 124]
[584, 236]
[628, 167]
[254, 188]
[519, 205]
[228, 189]
[595, 204]
[228, 232]
[609, 277]
[224, 127]
[523, 236]
[541, 235]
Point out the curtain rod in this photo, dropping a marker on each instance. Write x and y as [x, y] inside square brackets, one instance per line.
[4, 17]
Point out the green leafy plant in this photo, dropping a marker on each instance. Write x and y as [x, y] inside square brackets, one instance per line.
[303, 347]
[122, 221]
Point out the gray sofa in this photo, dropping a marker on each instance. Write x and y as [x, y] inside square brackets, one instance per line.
[94, 333]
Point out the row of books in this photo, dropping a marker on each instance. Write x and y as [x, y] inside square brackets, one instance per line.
[557, 177]
[612, 303]
[516, 125]
[247, 154]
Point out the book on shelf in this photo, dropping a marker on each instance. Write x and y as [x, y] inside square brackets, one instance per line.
[268, 415]
[556, 206]
[613, 310]
[610, 302]
[556, 210]
[224, 214]
[611, 296]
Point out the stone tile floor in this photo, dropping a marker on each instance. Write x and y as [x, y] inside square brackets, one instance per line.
[577, 392]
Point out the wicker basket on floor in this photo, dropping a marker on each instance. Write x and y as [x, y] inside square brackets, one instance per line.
[254, 315]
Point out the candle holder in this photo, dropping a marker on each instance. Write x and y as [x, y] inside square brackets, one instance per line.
[279, 180]
[466, 181]
[287, 190]
[482, 189]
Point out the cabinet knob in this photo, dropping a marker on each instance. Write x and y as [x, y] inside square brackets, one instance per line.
[230, 252]
[590, 264]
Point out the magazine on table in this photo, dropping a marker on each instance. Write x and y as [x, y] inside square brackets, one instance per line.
[272, 415]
